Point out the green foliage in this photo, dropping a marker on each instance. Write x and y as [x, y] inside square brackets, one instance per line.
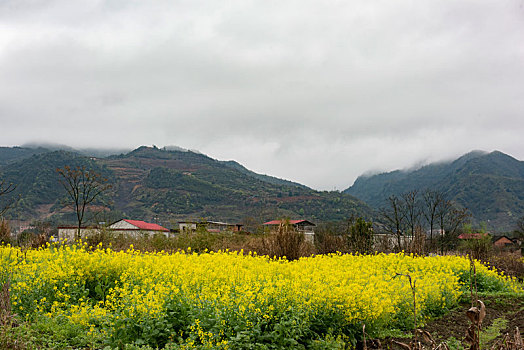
[361, 236]
[478, 248]
[37, 183]
[484, 283]
[454, 344]
[493, 331]
[13, 154]
[174, 185]
[183, 324]
[57, 333]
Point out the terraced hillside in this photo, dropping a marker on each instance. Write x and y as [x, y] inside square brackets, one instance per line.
[177, 184]
[161, 185]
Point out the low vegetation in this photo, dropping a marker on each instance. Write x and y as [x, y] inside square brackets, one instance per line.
[74, 297]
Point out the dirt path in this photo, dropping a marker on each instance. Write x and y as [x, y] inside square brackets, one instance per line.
[456, 323]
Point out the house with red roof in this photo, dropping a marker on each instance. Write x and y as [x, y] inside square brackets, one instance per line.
[137, 227]
[473, 235]
[304, 226]
[124, 226]
[505, 242]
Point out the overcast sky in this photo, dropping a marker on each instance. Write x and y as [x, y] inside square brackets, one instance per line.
[318, 92]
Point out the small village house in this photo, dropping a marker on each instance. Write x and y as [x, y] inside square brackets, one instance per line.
[210, 226]
[70, 233]
[501, 242]
[466, 236]
[437, 232]
[187, 226]
[124, 227]
[304, 226]
[137, 227]
[506, 243]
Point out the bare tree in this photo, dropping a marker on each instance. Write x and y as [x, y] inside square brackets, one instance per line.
[83, 187]
[412, 210]
[443, 210]
[432, 201]
[450, 218]
[457, 217]
[393, 217]
[5, 188]
[442, 213]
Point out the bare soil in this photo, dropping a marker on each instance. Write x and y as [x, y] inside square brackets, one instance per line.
[455, 323]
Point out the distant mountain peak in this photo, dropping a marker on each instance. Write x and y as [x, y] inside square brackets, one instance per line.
[490, 184]
[175, 148]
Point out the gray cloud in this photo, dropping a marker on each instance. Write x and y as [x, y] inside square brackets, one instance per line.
[313, 91]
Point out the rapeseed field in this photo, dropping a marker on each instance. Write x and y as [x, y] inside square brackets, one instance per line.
[69, 296]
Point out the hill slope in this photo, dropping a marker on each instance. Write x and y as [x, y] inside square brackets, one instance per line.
[13, 154]
[490, 185]
[38, 192]
[150, 183]
[184, 184]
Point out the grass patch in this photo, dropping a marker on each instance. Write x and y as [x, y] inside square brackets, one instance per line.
[493, 331]
[454, 344]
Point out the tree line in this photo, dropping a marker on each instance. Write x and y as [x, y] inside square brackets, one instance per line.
[426, 212]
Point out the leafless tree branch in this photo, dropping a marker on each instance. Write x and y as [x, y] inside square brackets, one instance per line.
[83, 188]
[6, 188]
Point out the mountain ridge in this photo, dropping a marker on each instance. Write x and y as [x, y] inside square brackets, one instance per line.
[151, 183]
[490, 185]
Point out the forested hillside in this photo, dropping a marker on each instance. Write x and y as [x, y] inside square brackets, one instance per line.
[151, 183]
[490, 185]
[182, 184]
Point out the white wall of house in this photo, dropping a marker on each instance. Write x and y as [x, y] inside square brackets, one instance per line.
[138, 233]
[308, 231]
[187, 226]
[309, 237]
[70, 233]
[123, 225]
[391, 240]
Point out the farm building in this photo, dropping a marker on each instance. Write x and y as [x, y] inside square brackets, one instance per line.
[70, 232]
[473, 235]
[126, 227]
[137, 227]
[436, 233]
[210, 226]
[502, 241]
[506, 243]
[304, 226]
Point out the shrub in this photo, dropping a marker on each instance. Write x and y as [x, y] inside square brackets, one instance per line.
[478, 248]
[5, 231]
[284, 241]
[510, 264]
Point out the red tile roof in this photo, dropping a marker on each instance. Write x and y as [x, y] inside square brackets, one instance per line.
[278, 222]
[472, 235]
[142, 225]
